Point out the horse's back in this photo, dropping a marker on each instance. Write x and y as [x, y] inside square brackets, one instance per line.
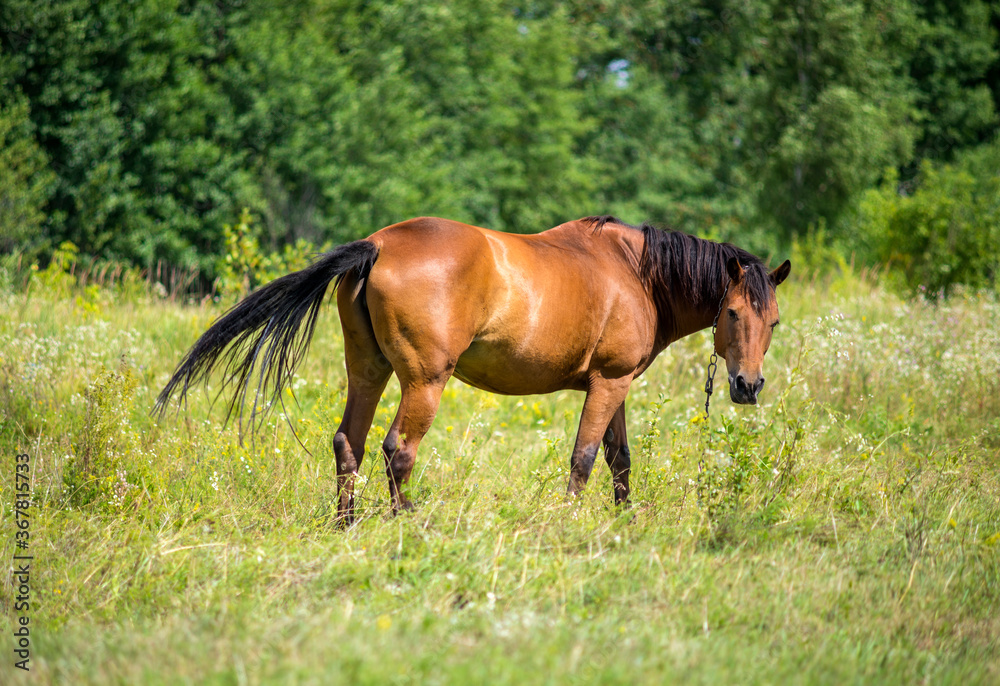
[478, 278]
[506, 312]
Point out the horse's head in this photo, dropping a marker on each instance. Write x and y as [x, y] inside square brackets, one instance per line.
[746, 321]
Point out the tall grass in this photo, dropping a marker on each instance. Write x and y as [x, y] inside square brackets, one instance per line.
[848, 529]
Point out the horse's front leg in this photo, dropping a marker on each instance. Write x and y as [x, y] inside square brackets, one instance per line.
[616, 454]
[604, 398]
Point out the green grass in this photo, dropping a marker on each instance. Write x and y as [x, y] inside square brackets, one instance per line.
[847, 530]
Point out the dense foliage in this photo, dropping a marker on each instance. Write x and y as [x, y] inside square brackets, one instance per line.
[139, 130]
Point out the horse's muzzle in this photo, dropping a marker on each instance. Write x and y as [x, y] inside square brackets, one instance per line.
[743, 392]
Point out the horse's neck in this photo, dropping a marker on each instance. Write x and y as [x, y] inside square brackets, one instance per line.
[689, 318]
[683, 317]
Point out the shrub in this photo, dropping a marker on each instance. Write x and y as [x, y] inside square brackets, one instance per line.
[58, 277]
[107, 468]
[244, 266]
[941, 235]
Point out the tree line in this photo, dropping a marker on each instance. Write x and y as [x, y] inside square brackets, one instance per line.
[140, 130]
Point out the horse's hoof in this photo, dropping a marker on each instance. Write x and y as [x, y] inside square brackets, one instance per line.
[405, 506]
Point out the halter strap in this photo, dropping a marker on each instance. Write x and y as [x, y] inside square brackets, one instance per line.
[713, 360]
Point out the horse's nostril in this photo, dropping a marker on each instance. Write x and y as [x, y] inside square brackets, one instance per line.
[759, 385]
[741, 383]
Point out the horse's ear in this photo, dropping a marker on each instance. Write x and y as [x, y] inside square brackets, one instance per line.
[735, 269]
[781, 273]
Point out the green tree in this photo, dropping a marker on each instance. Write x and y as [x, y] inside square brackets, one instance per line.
[662, 81]
[646, 151]
[743, 119]
[496, 88]
[831, 107]
[25, 180]
[124, 108]
[954, 66]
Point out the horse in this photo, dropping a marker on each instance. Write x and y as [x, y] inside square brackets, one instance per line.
[586, 306]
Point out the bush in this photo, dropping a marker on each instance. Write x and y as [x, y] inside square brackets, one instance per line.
[942, 234]
[245, 266]
[110, 467]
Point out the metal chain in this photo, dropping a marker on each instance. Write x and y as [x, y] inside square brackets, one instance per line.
[713, 360]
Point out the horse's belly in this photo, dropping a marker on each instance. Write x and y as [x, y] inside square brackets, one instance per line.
[500, 369]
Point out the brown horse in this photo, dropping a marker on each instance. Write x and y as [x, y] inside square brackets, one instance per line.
[587, 306]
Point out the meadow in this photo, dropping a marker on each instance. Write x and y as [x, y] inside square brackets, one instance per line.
[846, 530]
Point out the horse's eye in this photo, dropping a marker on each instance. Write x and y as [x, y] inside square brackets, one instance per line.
[732, 315]
[775, 324]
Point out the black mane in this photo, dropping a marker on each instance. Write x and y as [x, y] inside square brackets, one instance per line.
[680, 268]
[597, 222]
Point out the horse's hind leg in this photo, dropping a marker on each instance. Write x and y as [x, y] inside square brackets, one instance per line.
[417, 407]
[349, 441]
[616, 453]
[367, 373]
[423, 325]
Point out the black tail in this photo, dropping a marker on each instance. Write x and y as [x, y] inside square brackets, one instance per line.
[262, 337]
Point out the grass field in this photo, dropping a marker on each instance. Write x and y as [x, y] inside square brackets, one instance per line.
[845, 531]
